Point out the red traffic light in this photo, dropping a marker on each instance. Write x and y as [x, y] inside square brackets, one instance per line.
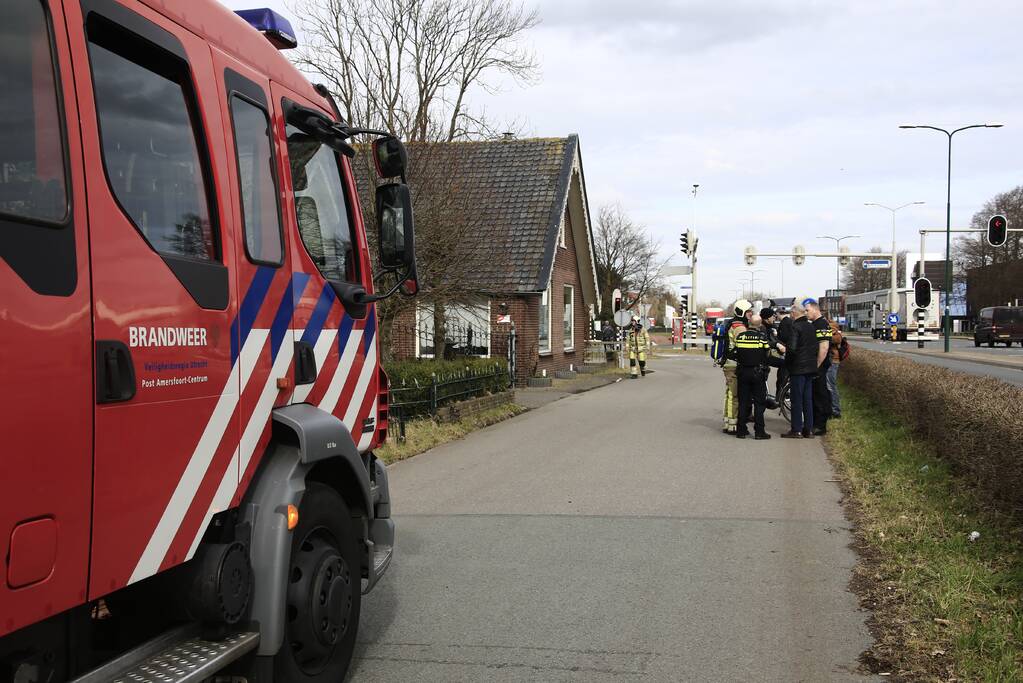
[997, 230]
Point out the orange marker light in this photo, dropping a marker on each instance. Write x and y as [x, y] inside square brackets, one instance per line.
[292, 517]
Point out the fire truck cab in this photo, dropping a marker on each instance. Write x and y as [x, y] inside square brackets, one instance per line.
[190, 365]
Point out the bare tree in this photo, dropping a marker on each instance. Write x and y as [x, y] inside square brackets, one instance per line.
[410, 65]
[973, 251]
[626, 258]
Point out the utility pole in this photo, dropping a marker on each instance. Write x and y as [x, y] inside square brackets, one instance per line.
[947, 312]
[838, 242]
[893, 296]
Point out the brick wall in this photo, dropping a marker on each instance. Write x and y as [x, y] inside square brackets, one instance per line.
[566, 272]
[474, 406]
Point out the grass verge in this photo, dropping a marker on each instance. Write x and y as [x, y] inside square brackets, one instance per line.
[422, 435]
[944, 608]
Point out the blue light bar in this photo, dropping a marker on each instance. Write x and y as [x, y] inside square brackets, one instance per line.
[276, 28]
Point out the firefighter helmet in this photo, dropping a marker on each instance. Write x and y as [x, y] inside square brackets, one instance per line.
[741, 307]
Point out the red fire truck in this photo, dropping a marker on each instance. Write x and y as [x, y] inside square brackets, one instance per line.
[188, 337]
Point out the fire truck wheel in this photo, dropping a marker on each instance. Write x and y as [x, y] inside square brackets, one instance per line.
[324, 591]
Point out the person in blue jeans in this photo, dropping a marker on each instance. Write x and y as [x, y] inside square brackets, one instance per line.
[800, 340]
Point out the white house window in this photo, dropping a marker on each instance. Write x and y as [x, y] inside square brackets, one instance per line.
[466, 330]
[545, 321]
[569, 319]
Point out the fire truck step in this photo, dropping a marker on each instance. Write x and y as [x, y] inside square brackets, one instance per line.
[178, 656]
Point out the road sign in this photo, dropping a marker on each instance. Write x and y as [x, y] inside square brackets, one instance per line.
[623, 318]
[893, 318]
[676, 270]
[841, 320]
[871, 263]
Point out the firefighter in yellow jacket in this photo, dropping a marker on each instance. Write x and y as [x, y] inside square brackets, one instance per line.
[742, 311]
[638, 343]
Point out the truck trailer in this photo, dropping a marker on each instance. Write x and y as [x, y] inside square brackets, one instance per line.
[868, 312]
[191, 360]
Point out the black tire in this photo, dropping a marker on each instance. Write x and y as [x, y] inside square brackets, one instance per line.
[990, 343]
[324, 596]
[976, 342]
[785, 402]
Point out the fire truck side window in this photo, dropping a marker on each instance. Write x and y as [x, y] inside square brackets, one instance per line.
[145, 105]
[32, 173]
[321, 206]
[256, 177]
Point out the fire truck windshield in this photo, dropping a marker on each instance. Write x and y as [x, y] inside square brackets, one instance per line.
[321, 206]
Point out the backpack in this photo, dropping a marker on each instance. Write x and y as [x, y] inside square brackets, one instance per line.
[719, 348]
[844, 350]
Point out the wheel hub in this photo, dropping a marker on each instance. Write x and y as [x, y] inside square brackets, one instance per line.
[319, 601]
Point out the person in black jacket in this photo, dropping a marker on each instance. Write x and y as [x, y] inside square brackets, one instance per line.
[800, 341]
[821, 393]
[751, 353]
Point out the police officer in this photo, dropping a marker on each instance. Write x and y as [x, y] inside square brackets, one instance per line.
[742, 310]
[638, 342]
[752, 347]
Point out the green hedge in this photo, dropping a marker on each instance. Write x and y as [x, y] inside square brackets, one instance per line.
[972, 422]
[411, 381]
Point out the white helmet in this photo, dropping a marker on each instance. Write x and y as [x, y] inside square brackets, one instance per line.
[741, 307]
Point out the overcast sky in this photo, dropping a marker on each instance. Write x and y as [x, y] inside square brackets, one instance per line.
[786, 113]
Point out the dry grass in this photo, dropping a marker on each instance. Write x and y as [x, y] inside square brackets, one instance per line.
[422, 435]
[945, 608]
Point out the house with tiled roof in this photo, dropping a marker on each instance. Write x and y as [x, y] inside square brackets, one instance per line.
[532, 253]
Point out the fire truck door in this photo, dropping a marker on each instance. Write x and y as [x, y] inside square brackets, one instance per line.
[336, 353]
[45, 338]
[268, 288]
[166, 384]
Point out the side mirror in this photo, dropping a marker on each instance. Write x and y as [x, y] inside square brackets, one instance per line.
[390, 157]
[395, 227]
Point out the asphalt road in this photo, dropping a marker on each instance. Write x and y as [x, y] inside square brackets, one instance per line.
[617, 535]
[964, 356]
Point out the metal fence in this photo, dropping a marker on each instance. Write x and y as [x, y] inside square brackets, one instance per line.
[420, 399]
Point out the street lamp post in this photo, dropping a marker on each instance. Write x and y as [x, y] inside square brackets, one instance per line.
[893, 302]
[838, 241]
[752, 273]
[947, 312]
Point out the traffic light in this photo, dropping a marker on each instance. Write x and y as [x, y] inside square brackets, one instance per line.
[684, 243]
[844, 260]
[683, 305]
[616, 300]
[922, 293]
[751, 256]
[799, 255]
[997, 230]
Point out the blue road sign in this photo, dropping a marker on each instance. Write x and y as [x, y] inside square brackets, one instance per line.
[871, 263]
[893, 318]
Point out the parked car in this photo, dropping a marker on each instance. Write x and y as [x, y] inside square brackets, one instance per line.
[1003, 324]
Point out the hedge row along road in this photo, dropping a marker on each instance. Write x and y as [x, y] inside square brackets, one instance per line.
[1000, 363]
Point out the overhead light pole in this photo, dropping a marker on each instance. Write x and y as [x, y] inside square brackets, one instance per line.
[893, 297]
[838, 241]
[947, 312]
[752, 273]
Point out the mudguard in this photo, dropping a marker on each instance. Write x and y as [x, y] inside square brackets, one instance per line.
[307, 436]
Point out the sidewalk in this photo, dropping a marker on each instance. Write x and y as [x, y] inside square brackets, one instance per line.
[538, 397]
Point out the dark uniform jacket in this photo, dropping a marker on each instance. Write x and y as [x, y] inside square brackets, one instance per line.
[751, 349]
[822, 332]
